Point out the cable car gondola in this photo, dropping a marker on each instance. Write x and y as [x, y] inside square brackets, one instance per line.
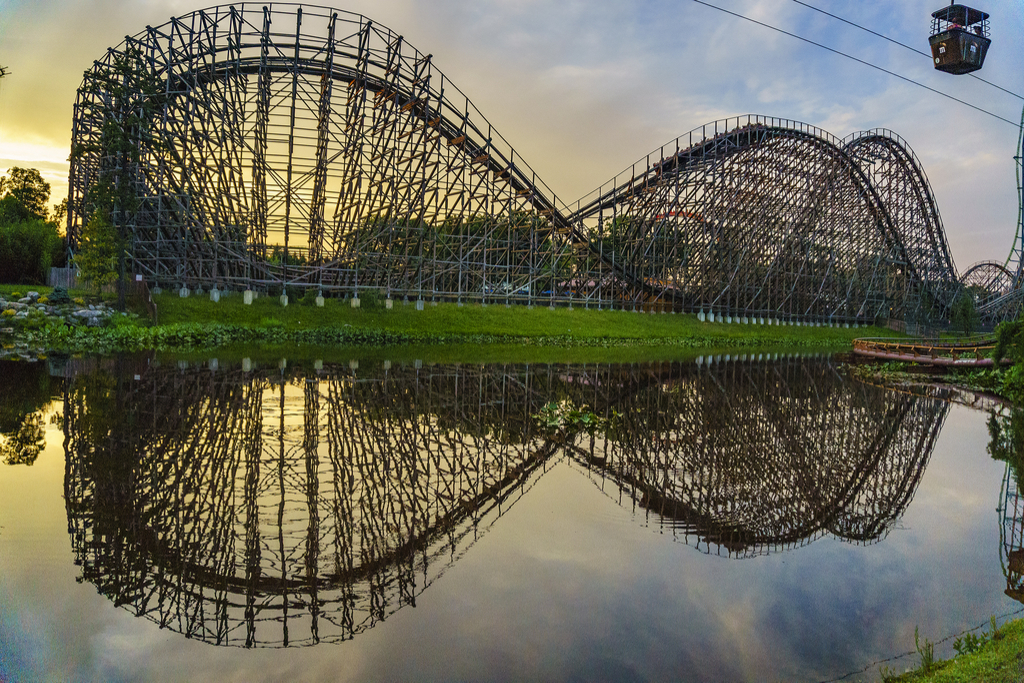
[959, 39]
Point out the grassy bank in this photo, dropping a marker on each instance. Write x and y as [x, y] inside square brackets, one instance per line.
[198, 323]
[993, 657]
[495, 320]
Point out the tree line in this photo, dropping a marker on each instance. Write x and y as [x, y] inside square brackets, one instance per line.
[31, 239]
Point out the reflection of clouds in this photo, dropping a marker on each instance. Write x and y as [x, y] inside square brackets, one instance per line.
[569, 587]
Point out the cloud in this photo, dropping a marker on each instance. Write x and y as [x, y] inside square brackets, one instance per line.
[582, 89]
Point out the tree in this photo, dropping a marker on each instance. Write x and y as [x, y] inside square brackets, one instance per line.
[28, 188]
[59, 215]
[128, 97]
[28, 248]
[964, 315]
[12, 211]
[98, 250]
[24, 444]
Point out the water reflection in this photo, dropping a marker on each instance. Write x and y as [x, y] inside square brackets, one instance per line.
[283, 507]
[1006, 443]
[754, 458]
[27, 392]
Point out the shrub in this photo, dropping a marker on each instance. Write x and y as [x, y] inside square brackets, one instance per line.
[28, 249]
[59, 296]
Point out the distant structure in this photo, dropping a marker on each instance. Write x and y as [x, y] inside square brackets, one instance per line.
[292, 146]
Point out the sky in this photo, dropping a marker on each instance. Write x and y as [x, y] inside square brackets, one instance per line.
[584, 89]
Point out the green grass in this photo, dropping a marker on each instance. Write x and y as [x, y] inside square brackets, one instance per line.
[1000, 660]
[453, 333]
[496, 320]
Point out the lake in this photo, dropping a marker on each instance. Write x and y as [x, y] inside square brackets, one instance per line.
[756, 517]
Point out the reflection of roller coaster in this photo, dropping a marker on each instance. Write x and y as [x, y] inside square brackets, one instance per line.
[296, 145]
[751, 458]
[263, 509]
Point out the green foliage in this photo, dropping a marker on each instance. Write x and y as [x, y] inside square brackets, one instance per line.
[295, 257]
[1006, 441]
[309, 297]
[969, 643]
[59, 296]
[98, 251]
[1012, 383]
[563, 414]
[23, 445]
[371, 300]
[964, 315]
[59, 214]
[27, 391]
[27, 187]
[925, 651]
[28, 249]
[12, 211]
[129, 96]
[1009, 341]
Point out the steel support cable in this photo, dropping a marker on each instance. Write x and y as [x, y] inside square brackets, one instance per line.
[856, 59]
[903, 45]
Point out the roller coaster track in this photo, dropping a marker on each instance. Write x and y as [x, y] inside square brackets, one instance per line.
[714, 175]
[294, 145]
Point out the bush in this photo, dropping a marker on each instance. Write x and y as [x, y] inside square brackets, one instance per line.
[27, 251]
[60, 296]
[1009, 341]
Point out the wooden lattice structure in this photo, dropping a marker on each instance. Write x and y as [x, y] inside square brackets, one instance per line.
[268, 508]
[297, 146]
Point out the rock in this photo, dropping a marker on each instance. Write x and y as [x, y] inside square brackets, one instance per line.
[33, 295]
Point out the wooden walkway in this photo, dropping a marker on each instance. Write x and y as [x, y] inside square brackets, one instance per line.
[972, 353]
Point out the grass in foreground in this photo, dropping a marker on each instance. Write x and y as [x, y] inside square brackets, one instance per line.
[495, 320]
[999, 660]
